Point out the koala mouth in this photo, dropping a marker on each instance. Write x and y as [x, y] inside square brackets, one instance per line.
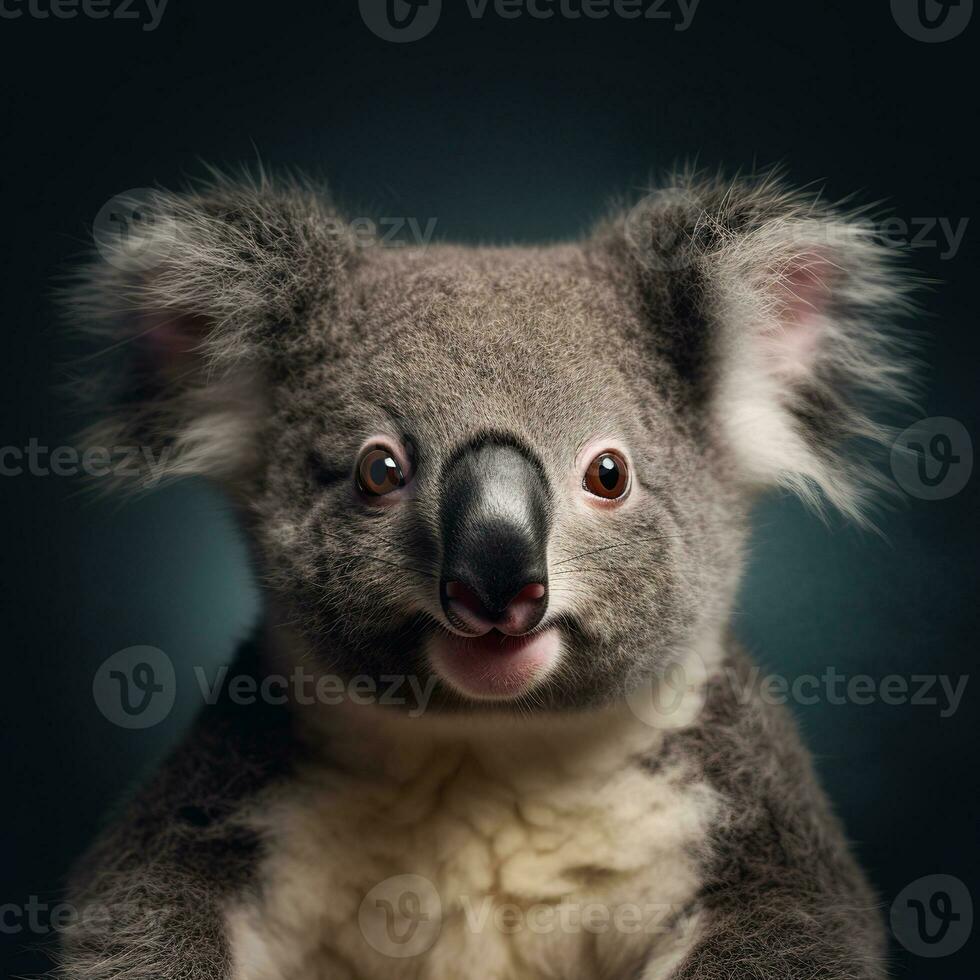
[494, 666]
[495, 643]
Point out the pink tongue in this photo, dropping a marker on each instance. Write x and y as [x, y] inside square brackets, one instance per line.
[493, 665]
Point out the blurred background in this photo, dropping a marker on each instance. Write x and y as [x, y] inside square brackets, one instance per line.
[499, 129]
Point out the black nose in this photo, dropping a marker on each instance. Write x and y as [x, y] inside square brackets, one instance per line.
[494, 521]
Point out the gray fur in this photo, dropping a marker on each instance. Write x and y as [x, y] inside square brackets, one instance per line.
[785, 897]
[286, 346]
[150, 888]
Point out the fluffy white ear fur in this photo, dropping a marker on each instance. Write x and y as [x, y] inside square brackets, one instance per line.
[805, 304]
[230, 282]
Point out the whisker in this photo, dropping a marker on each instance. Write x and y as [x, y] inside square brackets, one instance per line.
[612, 547]
[604, 571]
[393, 564]
[637, 567]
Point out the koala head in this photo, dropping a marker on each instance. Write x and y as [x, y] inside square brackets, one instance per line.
[523, 472]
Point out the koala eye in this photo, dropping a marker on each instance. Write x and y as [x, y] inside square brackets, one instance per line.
[378, 472]
[607, 476]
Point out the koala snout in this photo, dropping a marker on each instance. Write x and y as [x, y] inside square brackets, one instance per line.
[494, 521]
[466, 611]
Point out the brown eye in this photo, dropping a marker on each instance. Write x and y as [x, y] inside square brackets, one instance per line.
[607, 476]
[378, 472]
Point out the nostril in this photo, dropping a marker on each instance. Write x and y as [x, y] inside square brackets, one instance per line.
[534, 591]
[524, 611]
[467, 597]
[466, 609]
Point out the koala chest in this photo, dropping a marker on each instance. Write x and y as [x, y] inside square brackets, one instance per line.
[466, 866]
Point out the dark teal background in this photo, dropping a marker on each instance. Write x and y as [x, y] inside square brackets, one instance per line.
[502, 130]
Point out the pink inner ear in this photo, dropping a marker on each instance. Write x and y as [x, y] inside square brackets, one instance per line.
[804, 291]
[170, 339]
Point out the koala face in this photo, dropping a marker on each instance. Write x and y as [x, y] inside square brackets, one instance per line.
[523, 473]
[487, 485]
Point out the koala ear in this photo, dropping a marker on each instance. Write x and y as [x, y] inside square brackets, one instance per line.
[203, 296]
[773, 310]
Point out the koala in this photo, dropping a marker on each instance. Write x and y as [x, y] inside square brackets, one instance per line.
[515, 485]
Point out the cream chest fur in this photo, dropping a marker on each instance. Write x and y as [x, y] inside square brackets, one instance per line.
[503, 855]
